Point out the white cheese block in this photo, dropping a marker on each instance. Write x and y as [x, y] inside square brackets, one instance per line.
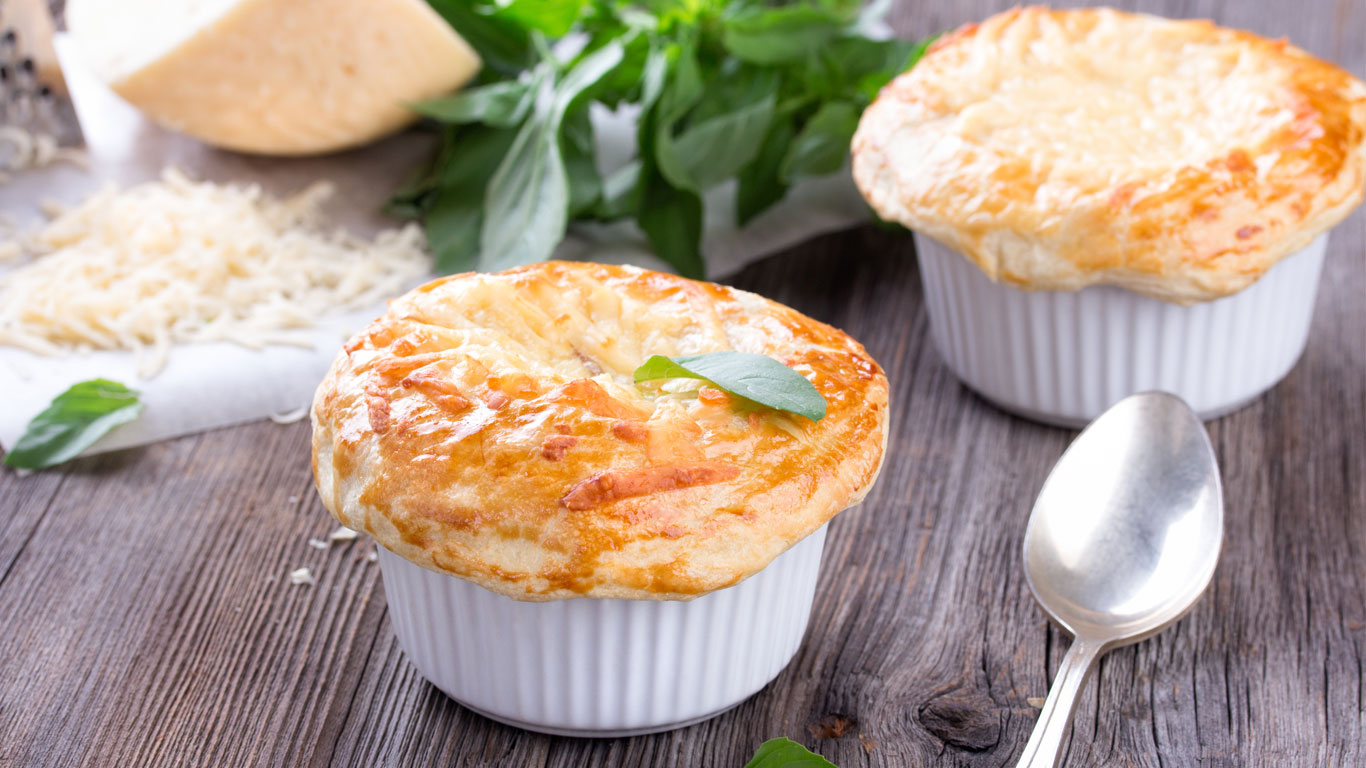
[278, 77]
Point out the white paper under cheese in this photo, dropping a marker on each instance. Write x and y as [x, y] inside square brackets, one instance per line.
[285, 77]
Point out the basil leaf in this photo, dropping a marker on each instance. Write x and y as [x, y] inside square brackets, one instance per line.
[706, 155]
[452, 225]
[411, 200]
[672, 219]
[586, 73]
[786, 753]
[781, 35]
[822, 145]
[754, 377]
[865, 66]
[621, 85]
[714, 148]
[500, 104]
[552, 17]
[75, 420]
[579, 149]
[653, 76]
[620, 193]
[761, 185]
[503, 44]
[454, 215]
[526, 209]
[685, 87]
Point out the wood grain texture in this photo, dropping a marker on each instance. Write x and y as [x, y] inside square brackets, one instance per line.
[146, 617]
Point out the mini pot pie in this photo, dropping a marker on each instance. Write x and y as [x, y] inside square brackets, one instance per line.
[488, 433]
[1097, 196]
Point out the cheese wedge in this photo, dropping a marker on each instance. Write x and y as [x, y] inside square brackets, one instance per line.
[277, 77]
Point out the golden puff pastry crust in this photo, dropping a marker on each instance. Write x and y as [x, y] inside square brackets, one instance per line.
[488, 426]
[1060, 149]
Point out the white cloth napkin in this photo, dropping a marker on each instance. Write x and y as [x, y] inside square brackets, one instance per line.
[205, 386]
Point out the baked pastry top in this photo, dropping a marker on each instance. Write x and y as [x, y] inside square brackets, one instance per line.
[488, 426]
[1060, 149]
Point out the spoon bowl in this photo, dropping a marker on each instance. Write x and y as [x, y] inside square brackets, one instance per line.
[1122, 541]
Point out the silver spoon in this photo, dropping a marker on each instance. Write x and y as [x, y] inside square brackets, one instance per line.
[1122, 541]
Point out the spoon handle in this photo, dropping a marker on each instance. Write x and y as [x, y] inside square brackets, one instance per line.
[1045, 743]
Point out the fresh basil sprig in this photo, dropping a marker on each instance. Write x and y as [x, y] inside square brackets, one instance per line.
[758, 91]
[786, 753]
[754, 377]
[75, 420]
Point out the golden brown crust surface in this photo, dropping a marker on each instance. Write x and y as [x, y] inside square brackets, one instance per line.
[488, 426]
[1059, 149]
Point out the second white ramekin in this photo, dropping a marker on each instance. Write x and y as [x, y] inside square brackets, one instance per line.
[1064, 357]
[591, 667]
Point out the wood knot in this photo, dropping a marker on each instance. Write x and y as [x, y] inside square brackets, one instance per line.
[832, 726]
[964, 720]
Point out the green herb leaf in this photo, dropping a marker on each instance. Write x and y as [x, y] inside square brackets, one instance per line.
[725, 135]
[452, 225]
[786, 753]
[823, 143]
[867, 65]
[759, 378]
[527, 206]
[579, 149]
[620, 193]
[503, 44]
[684, 85]
[761, 184]
[454, 216]
[780, 35]
[653, 76]
[672, 219]
[621, 85]
[75, 420]
[551, 17]
[500, 104]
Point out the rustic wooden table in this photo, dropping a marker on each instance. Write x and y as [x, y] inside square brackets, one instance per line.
[146, 617]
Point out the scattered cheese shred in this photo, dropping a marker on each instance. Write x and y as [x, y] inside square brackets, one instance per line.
[302, 576]
[176, 260]
[342, 534]
[289, 417]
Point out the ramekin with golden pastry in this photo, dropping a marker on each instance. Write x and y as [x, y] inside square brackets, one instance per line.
[1107, 202]
[563, 549]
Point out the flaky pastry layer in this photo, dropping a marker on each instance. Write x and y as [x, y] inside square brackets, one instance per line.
[488, 426]
[1060, 149]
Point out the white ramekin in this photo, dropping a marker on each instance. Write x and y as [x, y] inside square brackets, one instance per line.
[1064, 357]
[591, 667]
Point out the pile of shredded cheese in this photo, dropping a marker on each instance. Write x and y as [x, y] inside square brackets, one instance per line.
[177, 260]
